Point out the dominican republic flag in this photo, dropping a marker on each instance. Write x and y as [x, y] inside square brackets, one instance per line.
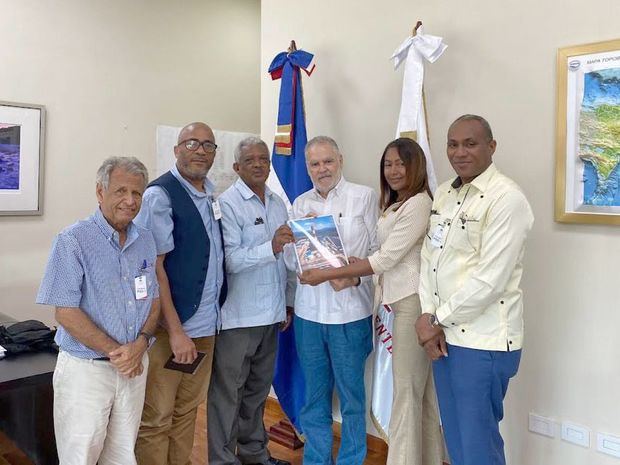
[289, 164]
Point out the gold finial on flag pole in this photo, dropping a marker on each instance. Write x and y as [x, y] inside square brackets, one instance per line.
[415, 29]
[293, 47]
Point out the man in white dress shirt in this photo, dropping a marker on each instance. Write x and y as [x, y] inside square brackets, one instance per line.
[333, 327]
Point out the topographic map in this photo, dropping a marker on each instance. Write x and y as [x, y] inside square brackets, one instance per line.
[599, 137]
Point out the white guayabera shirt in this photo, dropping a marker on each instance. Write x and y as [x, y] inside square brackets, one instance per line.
[355, 209]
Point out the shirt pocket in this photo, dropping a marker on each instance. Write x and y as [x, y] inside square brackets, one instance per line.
[467, 235]
[254, 234]
[351, 227]
[264, 296]
[491, 323]
[151, 280]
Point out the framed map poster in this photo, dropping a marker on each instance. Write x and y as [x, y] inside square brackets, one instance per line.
[587, 186]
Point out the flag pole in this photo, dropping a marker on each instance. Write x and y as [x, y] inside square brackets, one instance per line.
[414, 32]
[417, 48]
[288, 145]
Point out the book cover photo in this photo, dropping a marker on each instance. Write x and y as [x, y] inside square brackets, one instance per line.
[318, 243]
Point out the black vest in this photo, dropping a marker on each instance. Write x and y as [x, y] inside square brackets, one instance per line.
[186, 265]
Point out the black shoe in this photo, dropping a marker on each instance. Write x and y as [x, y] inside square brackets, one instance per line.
[272, 461]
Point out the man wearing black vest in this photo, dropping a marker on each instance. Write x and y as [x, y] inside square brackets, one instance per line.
[179, 209]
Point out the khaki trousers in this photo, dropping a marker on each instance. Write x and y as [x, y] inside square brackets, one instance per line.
[415, 435]
[166, 435]
[96, 411]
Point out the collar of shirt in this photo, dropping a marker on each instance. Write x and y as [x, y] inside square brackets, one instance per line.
[481, 181]
[208, 185]
[112, 234]
[248, 193]
[334, 192]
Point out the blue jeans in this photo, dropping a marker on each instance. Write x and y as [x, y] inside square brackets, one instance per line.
[471, 385]
[334, 353]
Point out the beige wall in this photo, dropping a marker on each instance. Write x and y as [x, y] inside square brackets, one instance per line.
[108, 72]
[500, 63]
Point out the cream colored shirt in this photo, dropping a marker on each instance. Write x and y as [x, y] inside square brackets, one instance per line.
[355, 209]
[472, 261]
[400, 231]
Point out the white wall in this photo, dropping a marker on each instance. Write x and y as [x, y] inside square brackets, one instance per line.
[109, 71]
[500, 63]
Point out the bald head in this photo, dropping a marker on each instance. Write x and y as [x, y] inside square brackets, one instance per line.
[195, 152]
[484, 124]
[188, 130]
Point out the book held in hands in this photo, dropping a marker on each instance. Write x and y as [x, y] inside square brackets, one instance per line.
[318, 243]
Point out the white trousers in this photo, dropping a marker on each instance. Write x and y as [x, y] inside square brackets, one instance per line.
[97, 412]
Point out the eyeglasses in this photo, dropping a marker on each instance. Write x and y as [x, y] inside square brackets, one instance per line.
[193, 144]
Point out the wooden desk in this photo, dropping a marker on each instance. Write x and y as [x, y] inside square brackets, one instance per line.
[26, 404]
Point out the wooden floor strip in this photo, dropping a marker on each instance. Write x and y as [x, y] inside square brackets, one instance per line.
[377, 449]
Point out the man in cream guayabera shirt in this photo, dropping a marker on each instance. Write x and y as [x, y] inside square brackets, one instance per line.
[472, 323]
[333, 330]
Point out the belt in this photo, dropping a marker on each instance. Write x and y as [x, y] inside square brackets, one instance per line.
[101, 359]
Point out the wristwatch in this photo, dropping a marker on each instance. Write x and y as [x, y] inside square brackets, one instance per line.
[433, 321]
[147, 336]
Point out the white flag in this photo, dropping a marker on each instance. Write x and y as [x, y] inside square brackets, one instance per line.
[411, 123]
[381, 404]
[412, 118]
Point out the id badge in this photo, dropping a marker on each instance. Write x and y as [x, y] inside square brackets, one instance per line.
[140, 284]
[217, 212]
[437, 237]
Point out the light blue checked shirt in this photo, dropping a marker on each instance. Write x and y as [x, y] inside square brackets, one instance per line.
[257, 279]
[88, 269]
[156, 215]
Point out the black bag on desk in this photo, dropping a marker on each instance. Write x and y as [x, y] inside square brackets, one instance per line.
[27, 336]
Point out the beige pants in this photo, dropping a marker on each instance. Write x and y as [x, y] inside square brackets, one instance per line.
[166, 434]
[415, 435]
[96, 412]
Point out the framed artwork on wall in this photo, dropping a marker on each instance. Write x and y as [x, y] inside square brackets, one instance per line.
[587, 185]
[22, 130]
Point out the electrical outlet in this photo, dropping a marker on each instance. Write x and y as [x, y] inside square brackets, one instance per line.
[608, 444]
[541, 425]
[575, 434]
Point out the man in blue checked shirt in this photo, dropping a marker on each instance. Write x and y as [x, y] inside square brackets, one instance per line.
[185, 219]
[101, 278]
[256, 308]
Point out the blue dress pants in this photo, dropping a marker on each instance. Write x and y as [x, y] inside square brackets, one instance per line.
[471, 385]
[334, 354]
